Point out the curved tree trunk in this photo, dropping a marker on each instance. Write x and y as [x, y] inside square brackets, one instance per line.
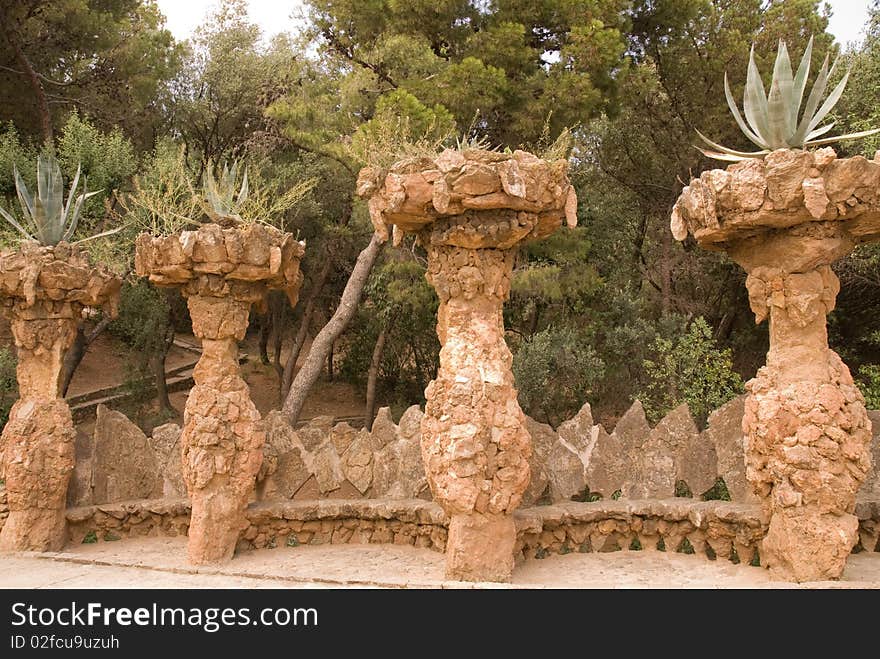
[323, 343]
[303, 332]
[74, 356]
[373, 376]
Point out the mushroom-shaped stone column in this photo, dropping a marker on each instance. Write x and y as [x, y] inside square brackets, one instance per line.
[221, 272]
[785, 219]
[44, 292]
[470, 209]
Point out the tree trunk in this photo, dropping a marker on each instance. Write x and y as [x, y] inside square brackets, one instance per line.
[158, 364]
[373, 376]
[323, 343]
[34, 81]
[276, 307]
[330, 363]
[303, 331]
[77, 351]
[265, 330]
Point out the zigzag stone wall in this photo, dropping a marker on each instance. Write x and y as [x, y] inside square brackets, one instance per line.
[323, 460]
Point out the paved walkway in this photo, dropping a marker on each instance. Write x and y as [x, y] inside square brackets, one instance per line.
[161, 563]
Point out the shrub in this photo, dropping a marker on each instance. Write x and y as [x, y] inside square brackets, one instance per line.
[8, 384]
[869, 383]
[690, 369]
[555, 371]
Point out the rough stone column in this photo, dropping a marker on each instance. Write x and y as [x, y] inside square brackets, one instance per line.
[475, 445]
[221, 272]
[785, 219]
[805, 421]
[38, 439]
[43, 291]
[471, 210]
[222, 439]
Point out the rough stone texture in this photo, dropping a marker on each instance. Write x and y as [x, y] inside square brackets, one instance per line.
[44, 291]
[469, 209]
[544, 439]
[221, 272]
[808, 433]
[126, 466]
[871, 487]
[165, 442]
[724, 431]
[713, 529]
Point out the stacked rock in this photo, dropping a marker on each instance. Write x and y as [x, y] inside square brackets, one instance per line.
[470, 209]
[785, 219]
[44, 292]
[221, 272]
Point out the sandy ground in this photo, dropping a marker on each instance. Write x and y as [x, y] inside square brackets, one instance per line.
[161, 563]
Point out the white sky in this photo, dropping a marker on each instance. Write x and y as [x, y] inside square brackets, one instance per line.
[274, 16]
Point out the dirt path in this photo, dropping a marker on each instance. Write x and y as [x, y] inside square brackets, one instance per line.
[161, 563]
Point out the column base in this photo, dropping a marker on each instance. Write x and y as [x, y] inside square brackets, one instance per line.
[803, 545]
[34, 529]
[480, 547]
[217, 520]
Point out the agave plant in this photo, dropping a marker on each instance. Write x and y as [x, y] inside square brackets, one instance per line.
[774, 120]
[48, 219]
[223, 202]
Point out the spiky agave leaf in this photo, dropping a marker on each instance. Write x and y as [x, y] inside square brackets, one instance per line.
[220, 194]
[50, 218]
[771, 120]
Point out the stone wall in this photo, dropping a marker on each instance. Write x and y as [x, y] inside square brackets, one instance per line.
[324, 459]
[708, 528]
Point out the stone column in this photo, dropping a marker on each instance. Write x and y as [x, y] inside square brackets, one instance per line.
[222, 439]
[807, 429]
[475, 445]
[221, 272]
[38, 440]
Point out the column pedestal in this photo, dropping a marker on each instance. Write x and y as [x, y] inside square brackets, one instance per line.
[222, 441]
[807, 430]
[474, 442]
[38, 440]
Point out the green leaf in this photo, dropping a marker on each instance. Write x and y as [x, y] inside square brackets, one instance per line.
[829, 103]
[800, 82]
[781, 94]
[813, 100]
[848, 136]
[739, 120]
[755, 101]
[721, 156]
[731, 152]
[11, 220]
[820, 131]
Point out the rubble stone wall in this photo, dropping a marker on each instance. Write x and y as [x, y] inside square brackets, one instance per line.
[327, 460]
[717, 529]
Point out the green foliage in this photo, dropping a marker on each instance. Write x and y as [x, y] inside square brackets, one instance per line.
[107, 159]
[143, 318]
[772, 118]
[13, 155]
[869, 384]
[90, 538]
[163, 200]
[111, 58]
[399, 299]
[47, 218]
[555, 371]
[691, 369]
[223, 200]
[8, 384]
